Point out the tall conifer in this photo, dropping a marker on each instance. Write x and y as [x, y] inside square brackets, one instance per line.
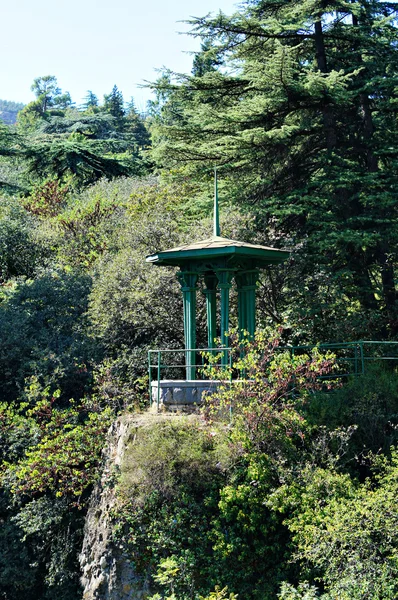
[302, 120]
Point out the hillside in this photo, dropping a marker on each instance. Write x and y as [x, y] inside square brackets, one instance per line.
[9, 111]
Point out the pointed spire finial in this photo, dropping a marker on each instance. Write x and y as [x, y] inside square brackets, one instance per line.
[216, 229]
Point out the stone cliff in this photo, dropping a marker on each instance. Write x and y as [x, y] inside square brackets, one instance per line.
[107, 573]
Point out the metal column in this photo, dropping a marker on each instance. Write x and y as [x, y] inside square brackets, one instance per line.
[210, 292]
[224, 277]
[188, 280]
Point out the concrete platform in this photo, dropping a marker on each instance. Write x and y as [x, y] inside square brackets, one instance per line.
[175, 393]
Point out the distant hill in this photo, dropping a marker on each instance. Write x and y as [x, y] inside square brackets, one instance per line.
[9, 111]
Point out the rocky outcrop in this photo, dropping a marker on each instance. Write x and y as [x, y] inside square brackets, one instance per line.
[107, 573]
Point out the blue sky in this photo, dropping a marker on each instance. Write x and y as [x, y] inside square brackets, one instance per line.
[94, 44]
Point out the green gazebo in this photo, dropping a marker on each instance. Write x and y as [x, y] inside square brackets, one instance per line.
[218, 261]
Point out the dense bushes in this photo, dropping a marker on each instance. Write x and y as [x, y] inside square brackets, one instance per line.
[43, 335]
[22, 249]
[258, 506]
[348, 536]
[195, 493]
[170, 481]
[79, 308]
[370, 402]
[271, 504]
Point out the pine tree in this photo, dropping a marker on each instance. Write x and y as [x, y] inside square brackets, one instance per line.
[90, 102]
[302, 120]
[67, 159]
[45, 89]
[50, 100]
[97, 126]
[114, 105]
[11, 146]
[135, 126]
[206, 60]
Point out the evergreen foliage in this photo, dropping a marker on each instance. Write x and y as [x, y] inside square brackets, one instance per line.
[301, 120]
[114, 105]
[58, 141]
[285, 485]
[90, 101]
[135, 125]
[42, 334]
[90, 126]
[22, 251]
[69, 159]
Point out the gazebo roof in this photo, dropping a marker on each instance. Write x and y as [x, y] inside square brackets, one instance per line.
[218, 247]
[231, 252]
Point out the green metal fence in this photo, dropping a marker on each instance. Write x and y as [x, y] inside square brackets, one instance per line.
[175, 363]
[351, 359]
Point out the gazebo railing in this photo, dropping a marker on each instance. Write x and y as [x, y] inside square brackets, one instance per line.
[174, 364]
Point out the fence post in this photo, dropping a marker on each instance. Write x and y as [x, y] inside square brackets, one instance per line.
[362, 358]
[149, 378]
[159, 365]
[356, 359]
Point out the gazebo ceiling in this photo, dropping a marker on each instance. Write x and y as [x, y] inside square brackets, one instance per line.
[218, 247]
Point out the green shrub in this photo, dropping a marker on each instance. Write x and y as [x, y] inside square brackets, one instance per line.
[43, 334]
[197, 510]
[171, 473]
[350, 537]
[22, 250]
[304, 591]
[370, 402]
[169, 454]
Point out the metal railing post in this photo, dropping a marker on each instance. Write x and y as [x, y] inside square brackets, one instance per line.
[362, 358]
[356, 360]
[347, 364]
[149, 378]
[159, 366]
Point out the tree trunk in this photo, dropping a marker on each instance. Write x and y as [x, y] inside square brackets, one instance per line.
[388, 281]
[387, 269]
[328, 117]
[364, 284]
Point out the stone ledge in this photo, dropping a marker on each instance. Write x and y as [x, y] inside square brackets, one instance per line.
[180, 392]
